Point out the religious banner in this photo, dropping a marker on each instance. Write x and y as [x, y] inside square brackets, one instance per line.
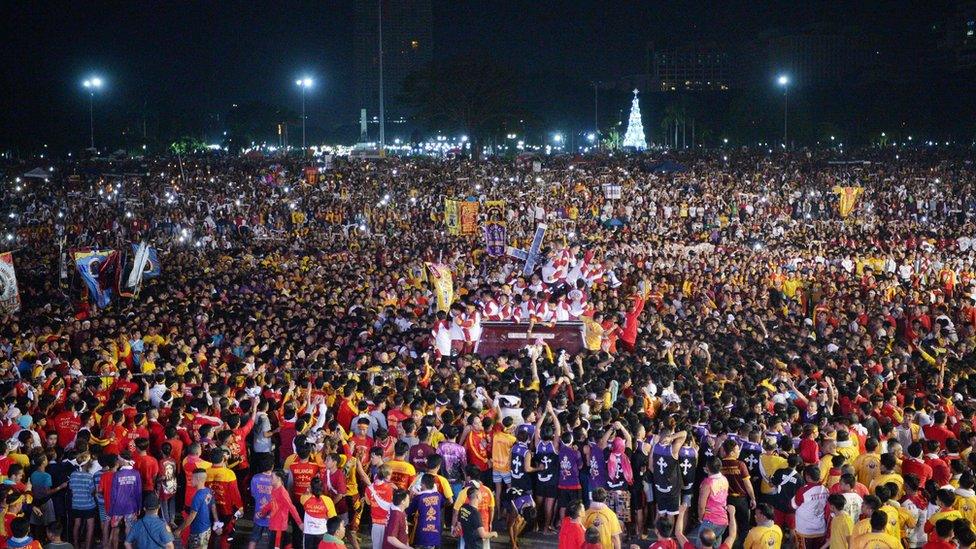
[96, 270]
[311, 174]
[443, 282]
[452, 217]
[9, 295]
[495, 229]
[468, 212]
[612, 191]
[847, 199]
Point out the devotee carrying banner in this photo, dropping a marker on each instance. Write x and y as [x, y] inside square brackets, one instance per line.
[443, 281]
[9, 294]
[847, 199]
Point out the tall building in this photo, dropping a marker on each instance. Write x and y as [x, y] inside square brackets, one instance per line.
[959, 41]
[407, 47]
[694, 67]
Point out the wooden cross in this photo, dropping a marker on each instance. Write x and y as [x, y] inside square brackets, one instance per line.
[531, 257]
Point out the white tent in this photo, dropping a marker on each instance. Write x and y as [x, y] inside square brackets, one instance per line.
[38, 173]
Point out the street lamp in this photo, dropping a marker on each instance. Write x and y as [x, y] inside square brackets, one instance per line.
[92, 84]
[784, 82]
[303, 83]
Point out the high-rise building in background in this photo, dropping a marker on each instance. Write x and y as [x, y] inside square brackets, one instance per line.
[694, 67]
[407, 47]
[959, 39]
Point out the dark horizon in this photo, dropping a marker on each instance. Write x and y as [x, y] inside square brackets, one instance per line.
[179, 68]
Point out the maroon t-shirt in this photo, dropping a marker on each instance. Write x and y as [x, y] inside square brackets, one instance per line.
[418, 456]
[396, 526]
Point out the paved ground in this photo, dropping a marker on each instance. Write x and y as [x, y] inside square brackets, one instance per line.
[533, 540]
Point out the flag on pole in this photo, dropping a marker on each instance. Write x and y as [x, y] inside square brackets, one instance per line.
[96, 269]
[140, 254]
[9, 294]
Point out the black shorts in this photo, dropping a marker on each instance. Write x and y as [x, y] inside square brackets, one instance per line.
[567, 496]
[669, 501]
[84, 513]
[545, 489]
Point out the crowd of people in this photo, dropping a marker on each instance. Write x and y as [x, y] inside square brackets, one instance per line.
[756, 370]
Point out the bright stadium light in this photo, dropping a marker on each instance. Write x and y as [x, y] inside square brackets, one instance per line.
[304, 83]
[92, 84]
[784, 82]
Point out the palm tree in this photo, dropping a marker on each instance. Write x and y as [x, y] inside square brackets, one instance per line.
[673, 115]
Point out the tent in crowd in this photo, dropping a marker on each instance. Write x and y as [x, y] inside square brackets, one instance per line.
[666, 166]
[38, 173]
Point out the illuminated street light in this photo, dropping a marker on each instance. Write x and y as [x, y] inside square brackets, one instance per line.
[92, 84]
[304, 83]
[784, 81]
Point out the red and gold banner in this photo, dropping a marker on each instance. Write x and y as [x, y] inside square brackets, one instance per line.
[469, 217]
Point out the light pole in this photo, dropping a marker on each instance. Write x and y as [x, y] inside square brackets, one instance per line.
[303, 83]
[379, 41]
[92, 84]
[784, 82]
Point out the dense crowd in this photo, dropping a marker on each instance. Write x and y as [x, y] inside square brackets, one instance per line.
[757, 370]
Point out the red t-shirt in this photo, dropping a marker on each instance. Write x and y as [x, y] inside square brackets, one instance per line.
[148, 469]
[937, 432]
[105, 488]
[66, 425]
[571, 534]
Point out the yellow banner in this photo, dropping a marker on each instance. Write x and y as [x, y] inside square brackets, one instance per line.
[452, 217]
[443, 281]
[847, 199]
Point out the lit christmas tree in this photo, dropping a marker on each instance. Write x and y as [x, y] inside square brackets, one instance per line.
[635, 129]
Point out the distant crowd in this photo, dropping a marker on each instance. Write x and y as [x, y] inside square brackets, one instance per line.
[757, 370]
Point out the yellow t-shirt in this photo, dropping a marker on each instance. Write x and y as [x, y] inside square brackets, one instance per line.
[841, 528]
[885, 479]
[609, 525]
[850, 451]
[967, 506]
[501, 452]
[873, 540]
[764, 537]
[593, 335]
[436, 438]
[868, 467]
[769, 464]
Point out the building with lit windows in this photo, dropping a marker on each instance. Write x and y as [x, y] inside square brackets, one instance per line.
[695, 67]
[407, 47]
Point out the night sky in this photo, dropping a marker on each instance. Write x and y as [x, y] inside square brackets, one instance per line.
[196, 58]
